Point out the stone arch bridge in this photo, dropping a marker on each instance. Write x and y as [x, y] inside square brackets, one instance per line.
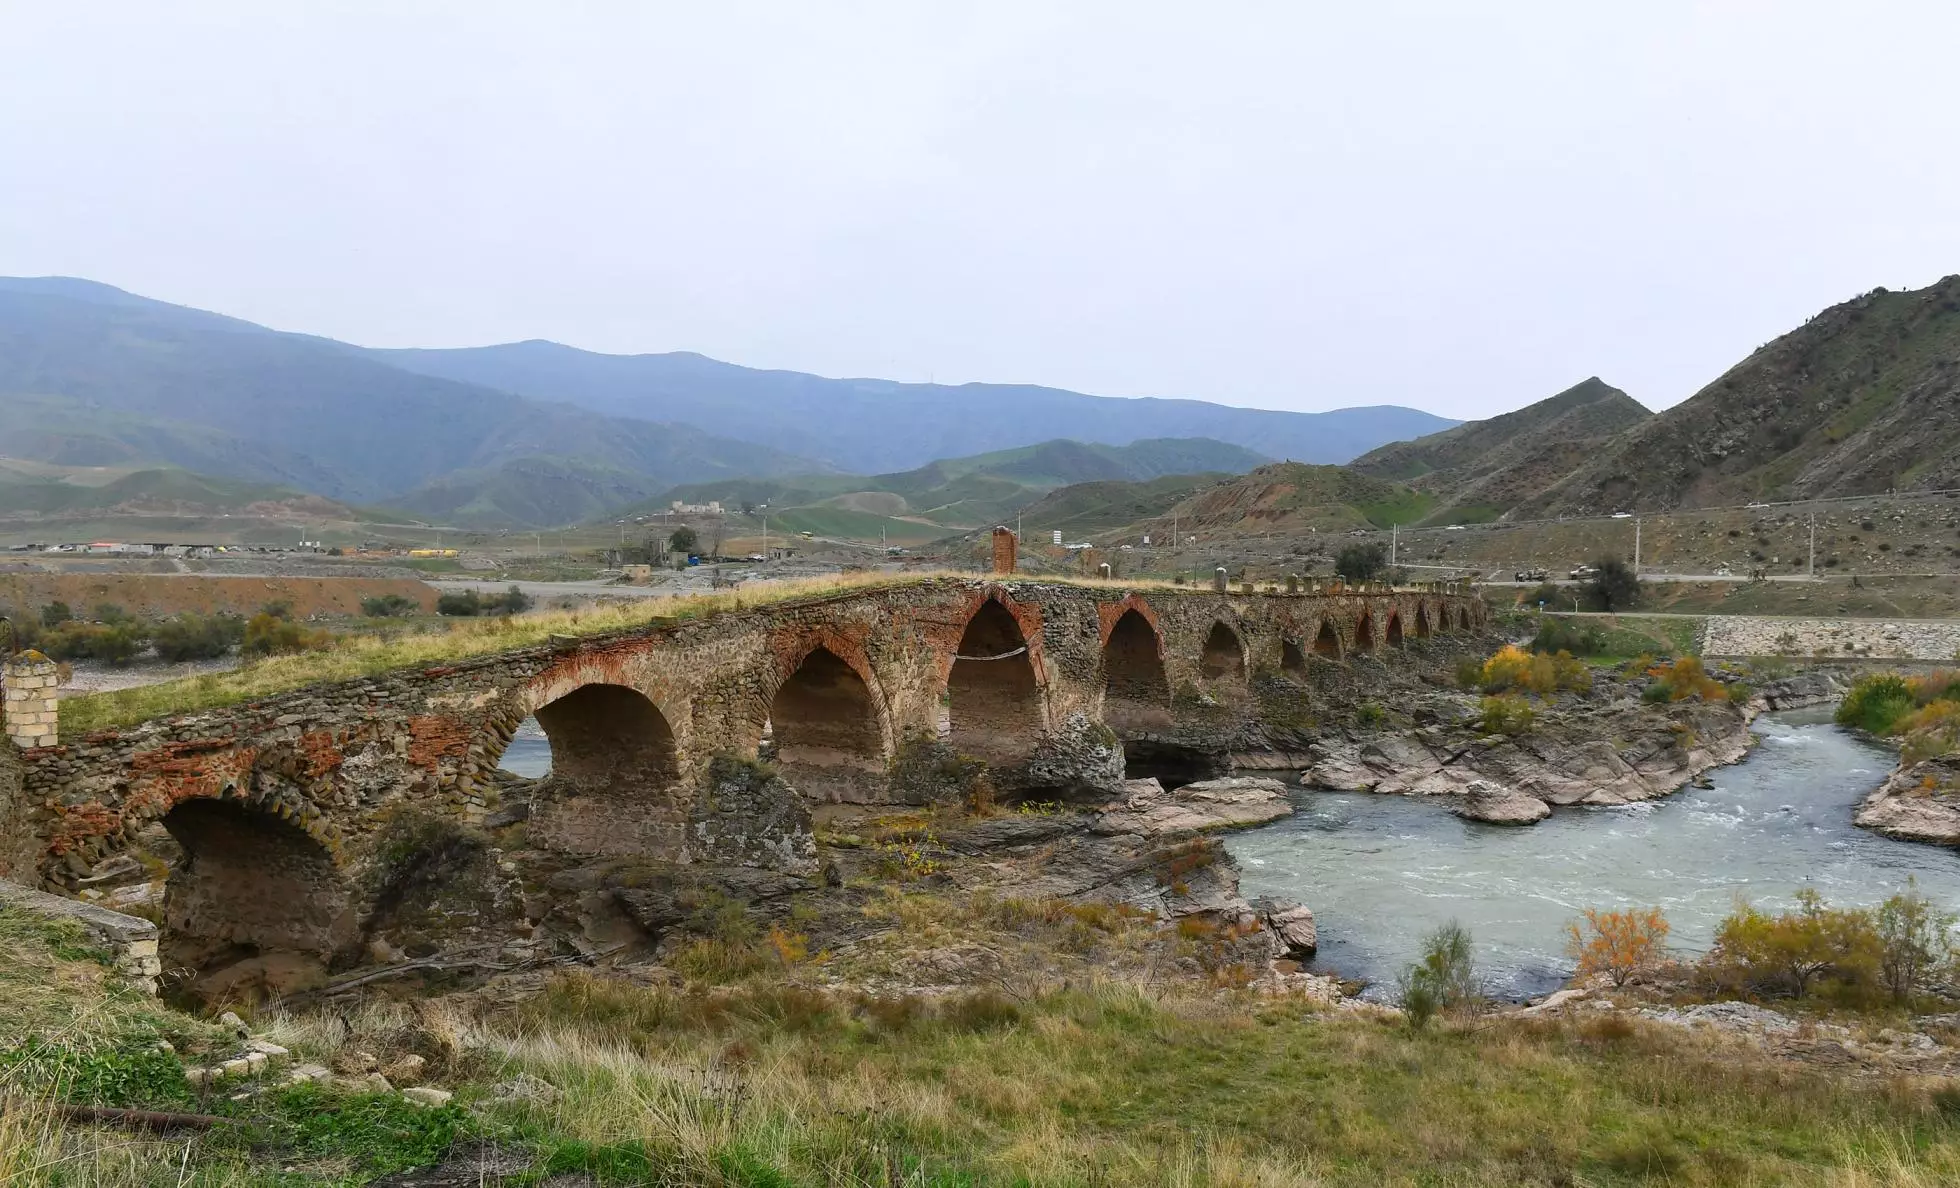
[1057, 688]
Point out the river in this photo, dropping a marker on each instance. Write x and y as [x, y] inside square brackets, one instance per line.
[1380, 871]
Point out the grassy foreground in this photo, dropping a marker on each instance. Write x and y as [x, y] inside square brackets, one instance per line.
[765, 1085]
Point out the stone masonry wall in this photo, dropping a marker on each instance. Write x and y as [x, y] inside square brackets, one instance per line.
[1735, 635]
[334, 762]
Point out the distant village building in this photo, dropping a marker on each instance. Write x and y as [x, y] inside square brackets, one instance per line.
[710, 508]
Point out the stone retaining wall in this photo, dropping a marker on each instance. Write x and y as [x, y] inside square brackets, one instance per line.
[1736, 635]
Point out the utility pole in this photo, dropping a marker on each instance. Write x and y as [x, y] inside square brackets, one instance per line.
[1394, 540]
[765, 536]
[1636, 548]
[1813, 546]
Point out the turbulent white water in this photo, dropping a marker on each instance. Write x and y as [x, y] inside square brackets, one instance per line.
[1379, 871]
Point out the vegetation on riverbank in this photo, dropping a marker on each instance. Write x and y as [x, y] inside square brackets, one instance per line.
[770, 1084]
[1923, 712]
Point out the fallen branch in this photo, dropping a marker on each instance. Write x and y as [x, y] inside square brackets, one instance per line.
[137, 1119]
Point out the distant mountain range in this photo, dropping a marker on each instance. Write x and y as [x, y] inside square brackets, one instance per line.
[959, 493]
[526, 434]
[871, 425]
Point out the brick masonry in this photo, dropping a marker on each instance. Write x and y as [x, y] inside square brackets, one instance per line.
[309, 780]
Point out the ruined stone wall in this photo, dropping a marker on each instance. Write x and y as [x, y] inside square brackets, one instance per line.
[18, 850]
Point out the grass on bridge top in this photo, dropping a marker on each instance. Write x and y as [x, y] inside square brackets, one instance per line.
[353, 656]
[362, 655]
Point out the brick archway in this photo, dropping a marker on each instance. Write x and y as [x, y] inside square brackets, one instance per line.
[615, 785]
[253, 883]
[1223, 655]
[994, 704]
[829, 729]
[1136, 688]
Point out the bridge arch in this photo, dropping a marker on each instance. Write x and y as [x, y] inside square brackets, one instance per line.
[615, 785]
[1364, 634]
[1327, 641]
[1393, 633]
[1422, 621]
[257, 902]
[1136, 687]
[993, 694]
[829, 726]
[1223, 655]
[1292, 661]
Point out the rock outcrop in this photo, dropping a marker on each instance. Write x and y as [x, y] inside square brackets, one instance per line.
[1294, 932]
[1231, 803]
[1919, 802]
[1609, 748]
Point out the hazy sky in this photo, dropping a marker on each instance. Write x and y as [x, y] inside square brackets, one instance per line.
[1462, 207]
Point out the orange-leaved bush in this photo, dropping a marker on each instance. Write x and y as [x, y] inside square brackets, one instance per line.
[1617, 944]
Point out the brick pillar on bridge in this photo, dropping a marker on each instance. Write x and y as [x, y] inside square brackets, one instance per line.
[1005, 550]
[29, 681]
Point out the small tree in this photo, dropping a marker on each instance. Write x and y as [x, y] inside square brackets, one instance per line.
[1913, 936]
[1361, 562]
[684, 540]
[1613, 586]
[54, 614]
[1617, 944]
[387, 606]
[1444, 979]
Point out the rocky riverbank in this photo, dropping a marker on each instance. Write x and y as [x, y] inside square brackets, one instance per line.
[1608, 746]
[1917, 802]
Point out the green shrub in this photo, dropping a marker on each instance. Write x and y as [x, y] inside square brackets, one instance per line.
[1793, 952]
[469, 602]
[1361, 562]
[111, 643]
[1565, 635]
[54, 614]
[196, 637]
[1444, 978]
[1613, 586]
[270, 635]
[388, 606]
[1915, 944]
[1506, 714]
[1876, 703]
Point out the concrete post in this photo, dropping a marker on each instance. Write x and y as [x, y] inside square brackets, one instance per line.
[1005, 550]
[29, 681]
[1218, 579]
[1292, 583]
[1103, 570]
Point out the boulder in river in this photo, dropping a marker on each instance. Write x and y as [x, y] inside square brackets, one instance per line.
[1500, 805]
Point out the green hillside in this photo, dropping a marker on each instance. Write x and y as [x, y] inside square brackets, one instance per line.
[976, 491]
[526, 492]
[46, 489]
